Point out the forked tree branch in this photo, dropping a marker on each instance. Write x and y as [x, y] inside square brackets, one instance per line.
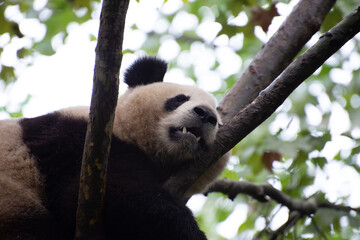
[89, 219]
[275, 94]
[303, 22]
[269, 100]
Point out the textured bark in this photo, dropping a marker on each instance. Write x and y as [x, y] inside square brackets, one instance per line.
[102, 112]
[270, 99]
[276, 54]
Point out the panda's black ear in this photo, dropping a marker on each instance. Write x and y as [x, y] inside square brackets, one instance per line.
[145, 70]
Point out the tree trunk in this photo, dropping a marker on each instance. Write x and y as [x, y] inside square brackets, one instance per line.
[89, 220]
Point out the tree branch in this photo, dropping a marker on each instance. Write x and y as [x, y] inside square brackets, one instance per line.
[268, 100]
[338, 207]
[262, 192]
[276, 54]
[233, 188]
[102, 111]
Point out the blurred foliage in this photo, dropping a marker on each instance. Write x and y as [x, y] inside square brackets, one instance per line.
[55, 15]
[303, 137]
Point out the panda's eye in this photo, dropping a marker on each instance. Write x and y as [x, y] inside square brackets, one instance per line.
[175, 102]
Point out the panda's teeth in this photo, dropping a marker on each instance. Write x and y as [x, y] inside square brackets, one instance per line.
[184, 130]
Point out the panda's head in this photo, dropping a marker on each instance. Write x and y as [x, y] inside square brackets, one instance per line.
[165, 120]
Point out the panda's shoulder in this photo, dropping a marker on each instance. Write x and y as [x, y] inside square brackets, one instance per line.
[54, 131]
[65, 128]
[65, 120]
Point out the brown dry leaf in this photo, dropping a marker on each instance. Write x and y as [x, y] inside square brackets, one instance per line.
[263, 17]
[269, 157]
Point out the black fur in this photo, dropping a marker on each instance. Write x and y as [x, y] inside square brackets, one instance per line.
[144, 71]
[173, 103]
[136, 206]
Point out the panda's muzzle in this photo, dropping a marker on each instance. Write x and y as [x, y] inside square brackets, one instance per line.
[198, 126]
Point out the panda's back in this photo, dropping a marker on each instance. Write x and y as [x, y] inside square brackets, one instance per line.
[40, 161]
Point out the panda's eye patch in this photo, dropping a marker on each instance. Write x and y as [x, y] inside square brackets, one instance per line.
[182, 98]
[175, 102]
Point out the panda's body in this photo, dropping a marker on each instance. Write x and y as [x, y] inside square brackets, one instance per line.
[158, 128]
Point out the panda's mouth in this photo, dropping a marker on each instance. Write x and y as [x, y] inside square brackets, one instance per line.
[178, 132]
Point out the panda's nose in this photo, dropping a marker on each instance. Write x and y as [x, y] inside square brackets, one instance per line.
[205, 115]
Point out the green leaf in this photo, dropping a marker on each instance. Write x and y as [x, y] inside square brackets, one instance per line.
[229, 174]
[7, 74]
[355, 150]
[319, 161]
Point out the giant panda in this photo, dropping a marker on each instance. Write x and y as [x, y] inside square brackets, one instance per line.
[159, 128]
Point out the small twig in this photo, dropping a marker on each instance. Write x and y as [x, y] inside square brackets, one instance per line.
[316, 226]
[265, 230]
[294, 216]
[338, 207]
